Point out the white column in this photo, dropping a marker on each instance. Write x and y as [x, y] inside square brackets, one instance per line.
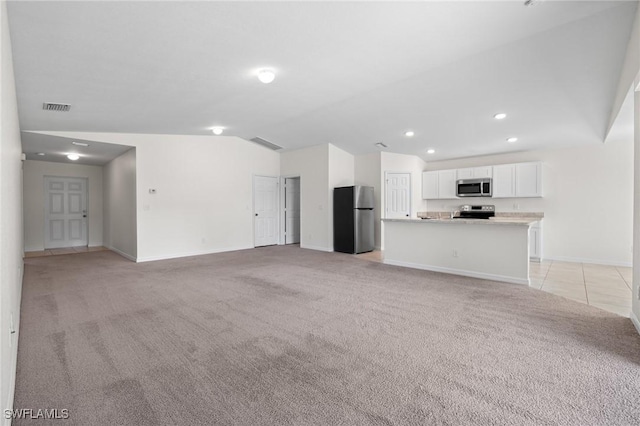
[636, 207]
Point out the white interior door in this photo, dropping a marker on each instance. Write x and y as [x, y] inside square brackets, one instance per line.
[398, 195]
[292, 210]
[265, 209]
[65, 212]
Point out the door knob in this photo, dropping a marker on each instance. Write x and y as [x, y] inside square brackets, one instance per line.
[256, 214]
[407, 215]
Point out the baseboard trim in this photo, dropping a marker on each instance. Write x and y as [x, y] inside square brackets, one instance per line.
[635, 321]
[123, 254]
[318, 248]
[189, 254]
[584, 260]
[462, 272]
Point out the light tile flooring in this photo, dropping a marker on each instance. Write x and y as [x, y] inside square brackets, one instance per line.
[66, 250]
[605, 287]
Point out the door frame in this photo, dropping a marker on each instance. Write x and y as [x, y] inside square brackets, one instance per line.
[282, 240]
[45, 201]
[253, 206]
[386, 180]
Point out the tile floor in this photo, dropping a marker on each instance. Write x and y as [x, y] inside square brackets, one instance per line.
[605, 287]
[67, 250]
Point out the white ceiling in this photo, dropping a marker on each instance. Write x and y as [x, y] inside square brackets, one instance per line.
[351, 74]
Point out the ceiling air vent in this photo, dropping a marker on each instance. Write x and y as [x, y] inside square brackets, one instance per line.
[48, 106]
[265, 143]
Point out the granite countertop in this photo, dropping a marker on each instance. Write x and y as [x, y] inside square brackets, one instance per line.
[512, 221]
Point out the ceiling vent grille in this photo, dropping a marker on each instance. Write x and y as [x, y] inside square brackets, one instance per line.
[265, 143]
[49, 106]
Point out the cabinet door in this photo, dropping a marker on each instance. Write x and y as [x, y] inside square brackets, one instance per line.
[483, 172]
[465, 173]
[504, 178]
[447, 184]
[430, 185]
[535, 241]
[529, 180]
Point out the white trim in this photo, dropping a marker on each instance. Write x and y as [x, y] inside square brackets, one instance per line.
[481, 275]
[194, 253]
[318, 248]
[594, 261]
[635, 321]
[123, 254]
[14, 351]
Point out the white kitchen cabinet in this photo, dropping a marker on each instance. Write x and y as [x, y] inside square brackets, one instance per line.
[430, 185]
[439, 184]
[504, 181]
[529, 179]
[447, 184]
[535, 241]
[475, 172]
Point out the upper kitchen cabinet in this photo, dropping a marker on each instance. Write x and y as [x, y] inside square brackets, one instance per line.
[475, 172]
[520, 180]
[439, 184]
[529, 180]
[430, 185]
[504, 181]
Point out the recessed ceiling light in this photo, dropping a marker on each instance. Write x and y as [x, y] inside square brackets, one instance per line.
[217, 130]
[409, 133]
[73, 157]
[40, 153]
[80, 143]
[500, 116]
[511, 140]
[266, 75]
[431, 151]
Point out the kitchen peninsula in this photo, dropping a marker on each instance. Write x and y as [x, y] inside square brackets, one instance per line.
[494, 249]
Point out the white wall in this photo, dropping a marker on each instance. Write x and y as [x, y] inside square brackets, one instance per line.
[204, 184]
[120, 211]
[402, 163]
[635, 296]
[34, 199]
[367, 173]
[10, 217]
[341, 173]
[587, 200]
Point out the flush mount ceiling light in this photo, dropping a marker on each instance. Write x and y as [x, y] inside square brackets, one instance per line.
[512, 140]
[500, 116]
[217, 130]
[80, 143]
[409, 133]
[266, 75]
[431, 151]
[73, 157]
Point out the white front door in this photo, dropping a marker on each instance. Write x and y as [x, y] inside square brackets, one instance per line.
[265, 210]
[65, 212]
[292, 210]
[398, 195]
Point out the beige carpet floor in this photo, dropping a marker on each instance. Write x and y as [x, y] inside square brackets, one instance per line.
[283, 335]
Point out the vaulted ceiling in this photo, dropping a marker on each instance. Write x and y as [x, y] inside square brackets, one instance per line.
[348, 73]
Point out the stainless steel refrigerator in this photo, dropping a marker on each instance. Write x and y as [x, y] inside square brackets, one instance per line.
[353, 219]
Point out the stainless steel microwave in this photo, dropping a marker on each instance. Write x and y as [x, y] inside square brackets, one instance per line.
[474, 187]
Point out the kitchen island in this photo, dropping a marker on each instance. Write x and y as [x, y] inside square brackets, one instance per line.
[494, 249]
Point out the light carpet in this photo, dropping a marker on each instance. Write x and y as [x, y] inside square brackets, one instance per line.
[283, 335]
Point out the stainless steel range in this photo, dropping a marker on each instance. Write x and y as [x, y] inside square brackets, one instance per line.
[468, 211]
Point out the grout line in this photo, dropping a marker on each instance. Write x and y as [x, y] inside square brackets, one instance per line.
[623, 279]
[584, 281]
[545, 275]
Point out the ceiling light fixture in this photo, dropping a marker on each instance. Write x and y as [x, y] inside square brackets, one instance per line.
[73, 157]
[217, 130]
[431, 151]
[511, 140]
[80, 143]
[266, 75]
[40, 153]
[500, 116]
[409, 133]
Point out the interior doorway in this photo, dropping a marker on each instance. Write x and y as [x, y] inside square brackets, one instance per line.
[65, 207]
[397, 195]
[265, 210]
[291, 210]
